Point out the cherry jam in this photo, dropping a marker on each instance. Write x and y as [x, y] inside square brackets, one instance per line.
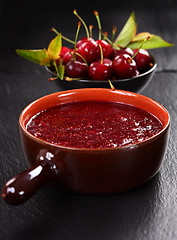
[94, 124]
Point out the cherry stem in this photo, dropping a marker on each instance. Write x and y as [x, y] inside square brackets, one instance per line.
[72, 55]
[110, 83]
[109, 41]
[105, 35]
[76, 53]
[101, 51]
[52, 79]
[114, 30]
[70, 79]
[147, 38]
[65, 38]
[86, 28]
[90, 29]
[99, 22]
[75, 42]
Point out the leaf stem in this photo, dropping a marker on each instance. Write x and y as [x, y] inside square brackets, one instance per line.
[56, 69]
[59, 69]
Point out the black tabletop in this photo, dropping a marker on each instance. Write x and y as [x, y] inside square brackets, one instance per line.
[148, 212]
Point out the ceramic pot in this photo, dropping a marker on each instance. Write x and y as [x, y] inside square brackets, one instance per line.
[87, 171]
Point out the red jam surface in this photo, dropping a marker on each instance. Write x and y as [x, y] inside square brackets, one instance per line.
[94, 124]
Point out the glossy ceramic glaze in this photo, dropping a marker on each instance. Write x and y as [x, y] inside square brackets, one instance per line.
[88, 171]
[135, 84]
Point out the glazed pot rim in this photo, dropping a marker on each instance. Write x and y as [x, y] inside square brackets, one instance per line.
[116, 80]
[119, 148]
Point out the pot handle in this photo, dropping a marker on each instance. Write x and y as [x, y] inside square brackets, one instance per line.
[24, 185]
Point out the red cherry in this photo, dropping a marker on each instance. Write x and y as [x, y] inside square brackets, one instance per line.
[106, 61]
[64, 50]
[106, 47]
[89, 50]
[100, 71]
[116, 52]
[67, 57]
[124, 66]
[143, 60]
[83, 40]
[76, 69]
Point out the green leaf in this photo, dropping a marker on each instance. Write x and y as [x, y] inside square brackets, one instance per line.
[36, 56]
[128, 32]
[60, 70]
[154, 42]
[141, 36]
[54, 47]
[46, 62]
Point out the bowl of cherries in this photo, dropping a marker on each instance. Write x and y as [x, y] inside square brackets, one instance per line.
[125, 71]
[124, 62]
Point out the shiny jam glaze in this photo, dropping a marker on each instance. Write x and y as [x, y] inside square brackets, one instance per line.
[94, 124]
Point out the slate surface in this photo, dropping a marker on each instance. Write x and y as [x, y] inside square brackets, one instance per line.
[147, 213]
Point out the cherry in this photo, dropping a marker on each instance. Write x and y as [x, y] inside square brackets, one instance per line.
[84, 39]
[76, 69]
[64, 50]
[124, 66]
[143, 60]
[106, 47]
[89, 50]
[68, 56]
[100, 70]
[116, 52]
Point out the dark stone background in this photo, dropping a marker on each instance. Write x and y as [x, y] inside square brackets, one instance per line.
[149, 212]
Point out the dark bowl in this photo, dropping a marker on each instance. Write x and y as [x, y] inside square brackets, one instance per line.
[135, 84]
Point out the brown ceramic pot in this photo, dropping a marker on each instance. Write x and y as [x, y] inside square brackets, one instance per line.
[88, 171]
